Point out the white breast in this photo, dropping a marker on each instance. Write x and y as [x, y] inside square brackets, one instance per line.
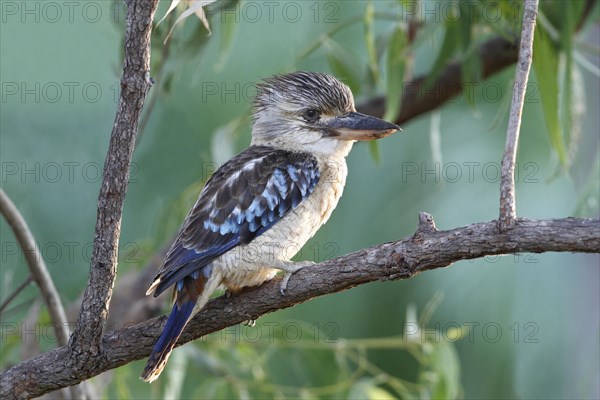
[248, 265]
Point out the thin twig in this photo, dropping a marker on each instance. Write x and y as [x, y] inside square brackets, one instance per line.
[14, 294]
[39, 273]
[508, 208]
[157, 92]
[37, 267]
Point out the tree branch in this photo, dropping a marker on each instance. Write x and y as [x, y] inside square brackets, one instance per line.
[427, 249]
[39, 273]
[508, 206]
[86, 342]
[15, 293]
[37, 267]
[495, 55]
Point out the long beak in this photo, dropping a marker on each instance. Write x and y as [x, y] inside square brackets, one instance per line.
[357, 126]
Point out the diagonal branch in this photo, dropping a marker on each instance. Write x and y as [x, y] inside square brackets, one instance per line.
[15, 293]
[39, 273]
[427, 249]
[508, 206]
[495, 55]
[37, 267]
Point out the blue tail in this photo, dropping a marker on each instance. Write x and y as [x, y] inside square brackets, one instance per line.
[162, 349]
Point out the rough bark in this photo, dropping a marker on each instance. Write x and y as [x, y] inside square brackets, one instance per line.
[427, 249]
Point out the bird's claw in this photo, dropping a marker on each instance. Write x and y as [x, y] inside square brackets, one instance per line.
[284, 282]
[291, 270]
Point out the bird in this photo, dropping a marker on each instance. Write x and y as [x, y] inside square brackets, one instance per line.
[259, 208]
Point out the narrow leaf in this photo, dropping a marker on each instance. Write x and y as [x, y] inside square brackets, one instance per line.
[342, 64]
[172, 6]
[545, 64]
[449, 46]
[470, 64]
[566, 89]
[228, 29]
[395, 68]
[370, 42]
[445, 364]
[194, 8]
[374, 150]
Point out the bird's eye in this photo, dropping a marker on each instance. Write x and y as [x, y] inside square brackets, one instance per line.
[311, 115]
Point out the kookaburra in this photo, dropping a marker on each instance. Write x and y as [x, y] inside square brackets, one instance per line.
[260, 207]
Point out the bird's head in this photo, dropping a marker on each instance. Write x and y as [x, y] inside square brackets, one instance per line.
[314, 112]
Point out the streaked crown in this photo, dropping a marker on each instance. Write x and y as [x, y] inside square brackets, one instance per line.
[303, 90]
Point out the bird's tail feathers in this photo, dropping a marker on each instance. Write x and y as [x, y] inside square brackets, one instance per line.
[186, 294]
[178, 319]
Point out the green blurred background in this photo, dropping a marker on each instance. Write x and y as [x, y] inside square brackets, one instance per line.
[533, 318]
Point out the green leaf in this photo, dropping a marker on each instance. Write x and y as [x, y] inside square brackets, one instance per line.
[228, 29]
[588, 204]
[374, 150]
[565, 94]
[342, 64]
[465, 25]
[471, 64]
[395, 67]
[446, 368]
[449, 46]
[545, 64]
[366, 388]
[370, 42]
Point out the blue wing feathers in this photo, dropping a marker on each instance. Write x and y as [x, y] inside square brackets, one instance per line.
[243, 199]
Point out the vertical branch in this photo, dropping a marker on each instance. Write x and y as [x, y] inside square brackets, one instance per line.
[508, 209]
[135, 84]
[37, 267]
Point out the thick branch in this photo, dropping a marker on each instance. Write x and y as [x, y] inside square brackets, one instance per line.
[86, 341]
[427, 249]
[508, 206]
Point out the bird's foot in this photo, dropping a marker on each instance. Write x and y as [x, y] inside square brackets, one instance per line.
[290, 269]
[251, 323]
